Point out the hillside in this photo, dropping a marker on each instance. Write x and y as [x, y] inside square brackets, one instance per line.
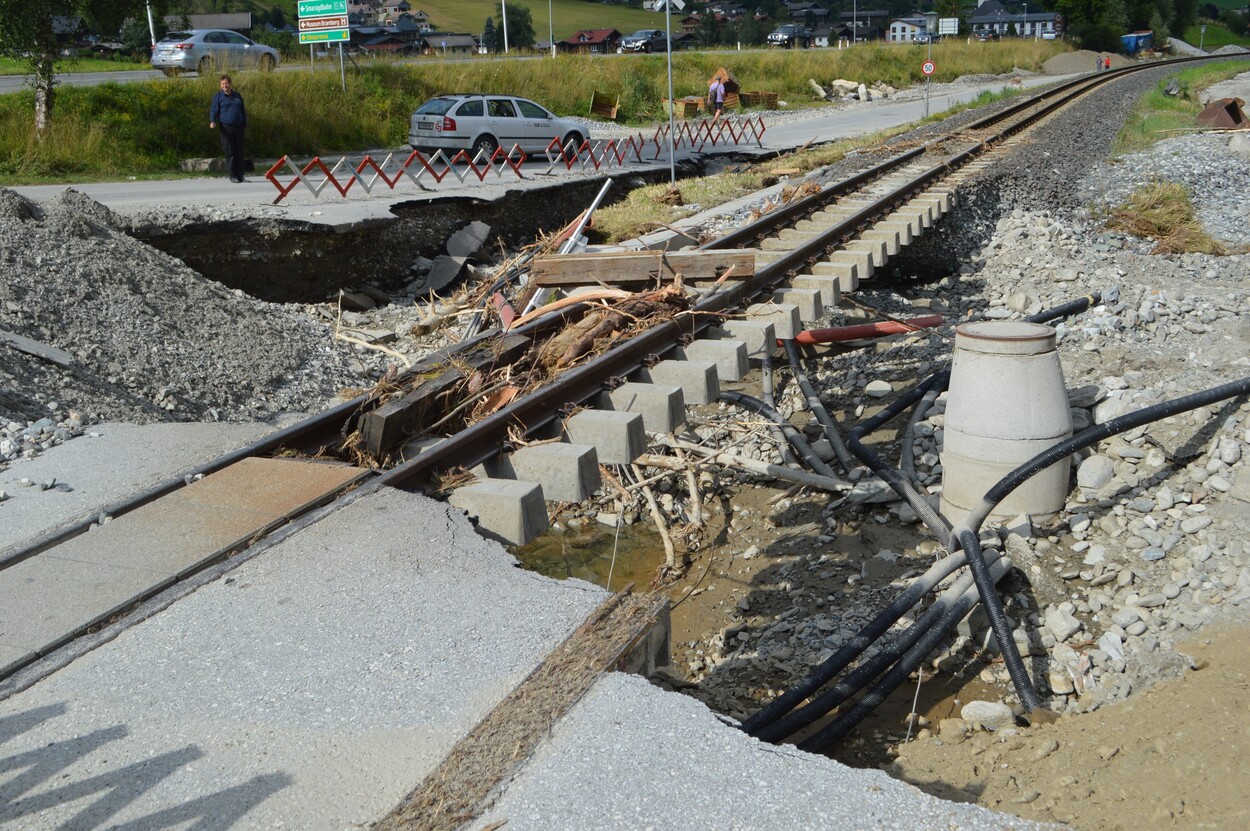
[470, 16]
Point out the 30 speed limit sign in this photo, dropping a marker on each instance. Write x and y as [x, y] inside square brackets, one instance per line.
[927, 68]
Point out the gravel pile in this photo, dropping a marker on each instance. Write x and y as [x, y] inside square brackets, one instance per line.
[150, 340]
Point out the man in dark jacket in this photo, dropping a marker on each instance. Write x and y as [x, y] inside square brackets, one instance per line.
[229, 116]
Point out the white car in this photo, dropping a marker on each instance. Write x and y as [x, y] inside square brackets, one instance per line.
[211, 50]
[479, 123]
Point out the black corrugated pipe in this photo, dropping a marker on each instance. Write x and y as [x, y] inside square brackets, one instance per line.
[766, 392]
[791, 432]
[1097, 433]
[1072, 307]
[863, 674]
[998, 620]
[936, 522]
[965, 536]
[846, 722]
[851, 650]
[818, 407]
[907, 454]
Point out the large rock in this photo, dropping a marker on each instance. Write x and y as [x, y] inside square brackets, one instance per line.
[988, 715]
[1095, 472]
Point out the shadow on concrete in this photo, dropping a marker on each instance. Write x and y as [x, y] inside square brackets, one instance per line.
[40, 780]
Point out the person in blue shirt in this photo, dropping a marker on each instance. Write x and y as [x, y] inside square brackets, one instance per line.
[228, 115]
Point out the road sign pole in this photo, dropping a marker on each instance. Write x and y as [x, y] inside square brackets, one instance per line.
[927, 78]
[342, 71]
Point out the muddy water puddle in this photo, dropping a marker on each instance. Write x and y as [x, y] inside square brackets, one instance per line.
[597, 554]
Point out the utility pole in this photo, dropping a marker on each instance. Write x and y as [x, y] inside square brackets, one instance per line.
[503, 4]
[551, 29]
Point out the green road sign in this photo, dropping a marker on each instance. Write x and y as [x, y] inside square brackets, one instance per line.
[328, 36]
[316, 8]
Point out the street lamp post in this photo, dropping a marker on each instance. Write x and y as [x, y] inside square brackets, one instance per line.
[668, 51]
[551, 29]
[503, 4]
[930, 26]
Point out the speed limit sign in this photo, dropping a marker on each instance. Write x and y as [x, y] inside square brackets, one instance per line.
[927, 68]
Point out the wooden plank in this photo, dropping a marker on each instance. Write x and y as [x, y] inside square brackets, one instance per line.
[615, 268]
[393, 423]
[39, 350]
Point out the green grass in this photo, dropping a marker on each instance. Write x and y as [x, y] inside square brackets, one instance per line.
[568, 16]
[147, 127]
[9, 66]
[1217, 35]
[1158, 116]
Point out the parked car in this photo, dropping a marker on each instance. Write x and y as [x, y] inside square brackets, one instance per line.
[644, 40]
[480, 123]
[790, 35]
[211, 50]
[987, 35]
[1050, 35]
[920, 37]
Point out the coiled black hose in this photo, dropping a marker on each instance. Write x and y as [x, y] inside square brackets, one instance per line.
[869, 701]
[851, 650]
[791, 432]
[818, 407]
[863, 674]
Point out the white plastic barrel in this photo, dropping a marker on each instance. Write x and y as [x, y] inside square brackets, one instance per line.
[1006, 403]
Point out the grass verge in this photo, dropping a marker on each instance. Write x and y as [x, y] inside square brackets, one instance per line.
[1158, 115]
[1162, 211]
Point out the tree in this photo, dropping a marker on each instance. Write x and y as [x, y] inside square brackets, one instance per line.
[490, 36]
[29, 32]
[520, 29]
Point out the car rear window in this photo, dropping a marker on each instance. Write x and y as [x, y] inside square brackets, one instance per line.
[176, 36]
[436, 106]
[470, 108]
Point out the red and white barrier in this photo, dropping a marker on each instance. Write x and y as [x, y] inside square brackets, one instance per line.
[316, 176]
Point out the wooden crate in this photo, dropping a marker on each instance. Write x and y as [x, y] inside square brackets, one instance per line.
[684, 107]
[768, 100]
[603, 106]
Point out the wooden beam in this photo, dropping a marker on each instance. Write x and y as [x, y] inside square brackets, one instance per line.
[393, 423]
[622, 268]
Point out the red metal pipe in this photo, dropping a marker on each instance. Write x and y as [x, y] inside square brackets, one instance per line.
[867, 330]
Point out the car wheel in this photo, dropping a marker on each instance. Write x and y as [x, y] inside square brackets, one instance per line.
[266, 63]
[575, 139]
[484, 146]
[205, 66]
[170, 72]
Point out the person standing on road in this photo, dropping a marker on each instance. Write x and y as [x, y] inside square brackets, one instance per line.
[228, 115]
[1098, 63]
[716, 96]
[1106, 64]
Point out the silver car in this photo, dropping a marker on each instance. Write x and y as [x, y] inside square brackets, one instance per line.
[210, 50]
[480, 123]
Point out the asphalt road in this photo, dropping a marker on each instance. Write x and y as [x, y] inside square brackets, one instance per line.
[256, 197]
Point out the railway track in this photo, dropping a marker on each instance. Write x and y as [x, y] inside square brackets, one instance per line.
[803, 257]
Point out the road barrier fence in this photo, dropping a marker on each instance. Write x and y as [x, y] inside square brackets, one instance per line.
[318, 177]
